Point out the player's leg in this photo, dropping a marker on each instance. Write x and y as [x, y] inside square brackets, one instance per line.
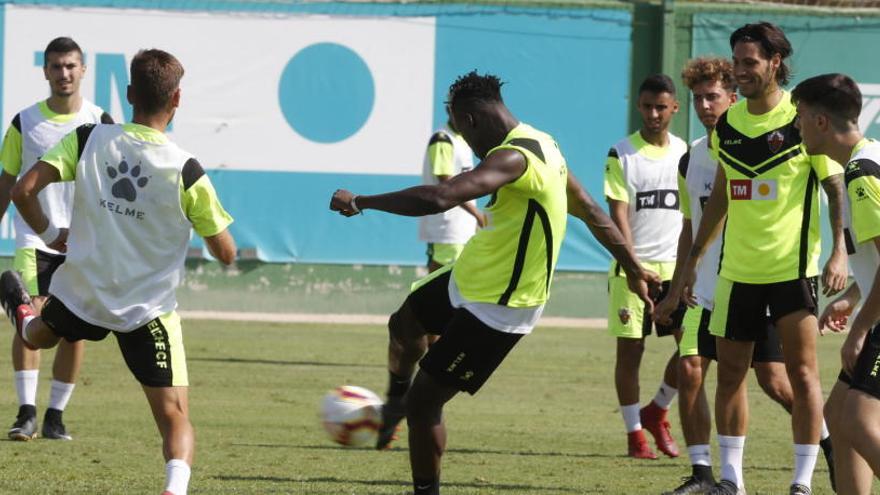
[653, 415]
[170, 407]
[769, 365]
[798, 332]
[863, 409]
[851, 473]
[627, 323]
[426, 431]
[426, 309]
[737, 314]
[462, 360]
[68, 356]
[156, 357]
[693, 407]
[793, 307]
[25, 361]
[858, 414]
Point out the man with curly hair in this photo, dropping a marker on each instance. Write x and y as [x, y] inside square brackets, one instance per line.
[495, 292]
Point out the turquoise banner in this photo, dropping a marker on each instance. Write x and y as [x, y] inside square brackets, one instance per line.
[262, 131]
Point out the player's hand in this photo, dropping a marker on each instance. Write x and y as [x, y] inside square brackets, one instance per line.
[665, 308]
[688, 281]
[60, 242]
[341, 202]
[851, 349]
[835, 316]
[646, 285]
[835, 274]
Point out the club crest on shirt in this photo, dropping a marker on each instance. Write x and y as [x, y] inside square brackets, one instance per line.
[624, 315]
[775, 141]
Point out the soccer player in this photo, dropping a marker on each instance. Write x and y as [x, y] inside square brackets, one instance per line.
[446, 233]
[828, 109]
[712, 85]
[495, 292]
[33, 131]
[642, 193]
[138, 197]
[767, 186]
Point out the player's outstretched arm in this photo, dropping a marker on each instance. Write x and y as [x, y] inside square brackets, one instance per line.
[499, 168]
[584, 207]
[24, 195]
[835, 272]
[222, 247]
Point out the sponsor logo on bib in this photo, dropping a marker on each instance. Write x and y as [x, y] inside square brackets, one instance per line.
[747, 189]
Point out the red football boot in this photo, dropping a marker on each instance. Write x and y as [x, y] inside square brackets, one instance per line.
[653, 419]
[638, 445]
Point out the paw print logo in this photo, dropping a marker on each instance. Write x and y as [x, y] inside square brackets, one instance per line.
[124, 187]
[860, 191]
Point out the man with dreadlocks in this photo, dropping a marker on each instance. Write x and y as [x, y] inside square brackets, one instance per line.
[495, 292]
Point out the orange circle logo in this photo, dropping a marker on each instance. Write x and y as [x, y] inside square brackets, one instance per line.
[763, 189]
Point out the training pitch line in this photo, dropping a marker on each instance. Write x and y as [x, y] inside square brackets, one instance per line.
[359, 319]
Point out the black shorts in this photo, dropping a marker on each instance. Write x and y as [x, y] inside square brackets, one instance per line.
[153, 352]
[866, 376]
[742, 311]
[768, 350]
[469, 351]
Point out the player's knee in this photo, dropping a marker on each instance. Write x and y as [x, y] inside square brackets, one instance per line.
[690, 373]
[802, 377]
[421, 409]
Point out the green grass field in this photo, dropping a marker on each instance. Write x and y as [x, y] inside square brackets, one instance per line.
[547, 423]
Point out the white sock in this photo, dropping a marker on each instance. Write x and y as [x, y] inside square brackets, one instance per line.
[26, 386]
[631, 417]
[60, 394]
[825, 432]
[24, 324]
[732, 458]
[665, 395]
[804, 463]
[177, 474]
[700, 455]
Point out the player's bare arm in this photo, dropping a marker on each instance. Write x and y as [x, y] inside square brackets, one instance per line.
[868, 316]
[467, 205]
[710, 227]
[670, 303]
[499, 168]
[24, 195]
[7, 180]
[835, 273]
[222, 247]
[584, 207]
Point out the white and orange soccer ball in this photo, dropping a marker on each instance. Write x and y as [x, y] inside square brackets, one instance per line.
[352, 416]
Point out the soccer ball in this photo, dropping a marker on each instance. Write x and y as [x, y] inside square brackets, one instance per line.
[352, 416]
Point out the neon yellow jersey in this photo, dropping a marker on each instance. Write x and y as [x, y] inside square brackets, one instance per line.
[772, 230]
[511, 261]
[863, 222]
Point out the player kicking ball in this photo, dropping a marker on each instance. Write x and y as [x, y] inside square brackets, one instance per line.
[495, 292]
